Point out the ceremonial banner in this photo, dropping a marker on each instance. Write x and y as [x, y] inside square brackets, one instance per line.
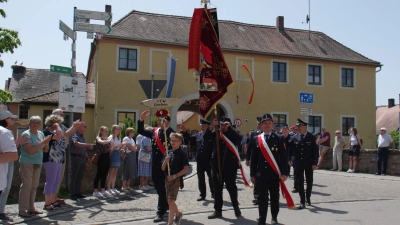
[244, 67]
[214, 73]
[245, 175]
[171, 67]
[272, 163]
[194, 40]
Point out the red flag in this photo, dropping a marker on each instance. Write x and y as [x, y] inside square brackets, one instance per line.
[214, 73]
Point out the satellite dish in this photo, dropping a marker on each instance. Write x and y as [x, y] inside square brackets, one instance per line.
[307, 19]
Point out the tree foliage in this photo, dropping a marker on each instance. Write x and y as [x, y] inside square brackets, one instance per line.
[5, 96]
[9, 39]
[128, 123]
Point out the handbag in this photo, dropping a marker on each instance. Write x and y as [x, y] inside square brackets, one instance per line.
[144, 157]
[123, 154]
[95, 158]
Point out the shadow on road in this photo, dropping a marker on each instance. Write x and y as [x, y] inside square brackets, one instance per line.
[316, 209]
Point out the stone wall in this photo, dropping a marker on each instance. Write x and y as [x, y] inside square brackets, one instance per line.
[366, 162]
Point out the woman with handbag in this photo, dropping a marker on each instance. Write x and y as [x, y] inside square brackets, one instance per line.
[130, 162]
[144, 162]
[102, 159]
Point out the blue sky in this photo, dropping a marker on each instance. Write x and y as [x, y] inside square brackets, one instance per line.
[368, 27]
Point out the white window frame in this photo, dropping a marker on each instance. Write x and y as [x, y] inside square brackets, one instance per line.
[151, 60]
[272, 71]
[240, 71]
[322, 74]
[19, 113]
[137, 48]
[347, 116]
[354, 76]
[281, 113]
[136, 111]
[322, 119]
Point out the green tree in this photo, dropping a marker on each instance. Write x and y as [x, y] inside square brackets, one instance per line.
[5, 96]
[128, 123]
[9, 39]
[395, 135]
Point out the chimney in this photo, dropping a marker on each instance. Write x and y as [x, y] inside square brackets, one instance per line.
[390, 102]
[18, 72]
[280, 24]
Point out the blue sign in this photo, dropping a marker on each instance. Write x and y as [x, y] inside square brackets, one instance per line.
[307, 98]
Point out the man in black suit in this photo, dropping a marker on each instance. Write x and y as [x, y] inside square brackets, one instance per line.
[158, 175]
[306, 153]
[203, 160]
[229, 166]
[263, 174]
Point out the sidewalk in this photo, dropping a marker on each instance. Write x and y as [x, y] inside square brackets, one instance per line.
[331, 189]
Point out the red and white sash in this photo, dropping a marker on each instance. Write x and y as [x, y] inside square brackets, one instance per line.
[158, 141]
[233, 149]
[272, 163]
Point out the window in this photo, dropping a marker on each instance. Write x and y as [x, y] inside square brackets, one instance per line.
[314, 124]
[347, 77]
[314, 75]
[127, 59]
[279, 72]
[23, 112]
[279, 119]
[347, 123]
[122, 116]
[77, 116]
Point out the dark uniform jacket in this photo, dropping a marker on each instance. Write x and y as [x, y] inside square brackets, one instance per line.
[227, 159]
[253, 134]
[205, 150]
[305, 151]
[259, 167]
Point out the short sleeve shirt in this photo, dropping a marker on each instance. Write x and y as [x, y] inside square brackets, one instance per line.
[7, 144]
[34, 140]
[57, 149]
[102, 148]
[145, 142]
[326, 143]
[384, 140]
[77, 137]
[177, 161]
[128, 140]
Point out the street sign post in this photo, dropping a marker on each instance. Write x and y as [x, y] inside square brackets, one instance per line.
[60, 69]
[68, 31]
[94, 15]
[94, 28]
[307, 98]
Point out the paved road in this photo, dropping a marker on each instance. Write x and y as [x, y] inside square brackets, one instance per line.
[338, 198]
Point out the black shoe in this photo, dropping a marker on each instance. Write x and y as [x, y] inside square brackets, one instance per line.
[80, 195]
[295, 190]
[74, 197]
[212, 195]
[158, 218]
[255, 202]
[308, 201]
[261, 223]
[301, 206]
[215, 214]
[238, 213]
[274, 221]
[201, 199]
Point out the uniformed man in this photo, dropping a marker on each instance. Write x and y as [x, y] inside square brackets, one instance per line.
[286, 137]
[203, 159]
[253, 134]
[229, 165]
[263, 174]
[278, 129]
[306, 153]
[158, 175]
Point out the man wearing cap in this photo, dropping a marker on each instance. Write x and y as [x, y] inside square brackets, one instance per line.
[337, 151]
[253, 134]
[278, 129]
[384, 140]
[305, 151]
[262, 172]
[203, 158]
[229, 165]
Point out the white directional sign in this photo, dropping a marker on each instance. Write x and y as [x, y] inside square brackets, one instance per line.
[68, 31]
[72, 94]
[94, 15]
[94, 28]
[306, 111]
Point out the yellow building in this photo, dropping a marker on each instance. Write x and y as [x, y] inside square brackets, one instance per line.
[283, 62]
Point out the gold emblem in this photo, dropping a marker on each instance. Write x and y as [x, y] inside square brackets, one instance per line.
[273, 149]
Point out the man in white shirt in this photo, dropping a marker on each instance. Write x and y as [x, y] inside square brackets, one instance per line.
[384, 140]
[8, 153]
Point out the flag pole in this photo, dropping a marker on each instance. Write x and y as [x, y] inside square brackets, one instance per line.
[217, 145]
[166, 145]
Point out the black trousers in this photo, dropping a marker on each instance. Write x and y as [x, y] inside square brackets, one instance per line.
[229, 178]
[255, 191]
[295, 179]
[158, 177]
[270, 187]
[103, 164]
[300, 183]
[77, 171]
[201, 169]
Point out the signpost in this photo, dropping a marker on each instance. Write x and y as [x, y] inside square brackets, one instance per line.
[307, 98]
[94, 28]
[60, 69]
[68, 31]
[94, 15]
